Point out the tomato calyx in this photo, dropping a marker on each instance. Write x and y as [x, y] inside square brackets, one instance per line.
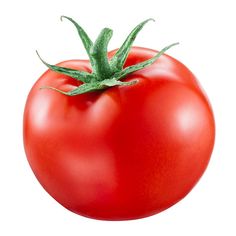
[105, 73]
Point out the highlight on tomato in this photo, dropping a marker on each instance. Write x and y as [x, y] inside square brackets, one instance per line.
[123, 135]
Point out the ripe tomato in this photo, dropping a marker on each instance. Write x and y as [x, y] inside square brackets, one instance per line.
[124, 152]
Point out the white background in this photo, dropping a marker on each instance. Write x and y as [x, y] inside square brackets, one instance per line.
[206, 32]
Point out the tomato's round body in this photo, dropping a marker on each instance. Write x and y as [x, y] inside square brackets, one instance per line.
[122, 153]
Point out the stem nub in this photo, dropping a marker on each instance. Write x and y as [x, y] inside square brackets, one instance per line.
[105, 73]
[98, 54]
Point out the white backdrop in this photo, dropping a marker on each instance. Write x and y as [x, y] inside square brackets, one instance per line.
[206, 32]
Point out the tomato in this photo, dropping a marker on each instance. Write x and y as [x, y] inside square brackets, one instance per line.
[124, 152]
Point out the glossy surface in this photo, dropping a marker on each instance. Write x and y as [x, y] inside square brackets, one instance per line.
[123, 153]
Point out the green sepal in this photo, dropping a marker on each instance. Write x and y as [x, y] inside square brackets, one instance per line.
[142, 65]
[76, 74]
[87, 42]
[93, 86]
[118, 60]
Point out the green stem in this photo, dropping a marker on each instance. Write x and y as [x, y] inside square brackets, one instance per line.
[98, 54]
[105, 73]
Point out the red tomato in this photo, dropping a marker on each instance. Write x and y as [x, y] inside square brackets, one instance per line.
[125, 152]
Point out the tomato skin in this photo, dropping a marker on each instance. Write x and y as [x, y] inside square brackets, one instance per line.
[123, 153]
